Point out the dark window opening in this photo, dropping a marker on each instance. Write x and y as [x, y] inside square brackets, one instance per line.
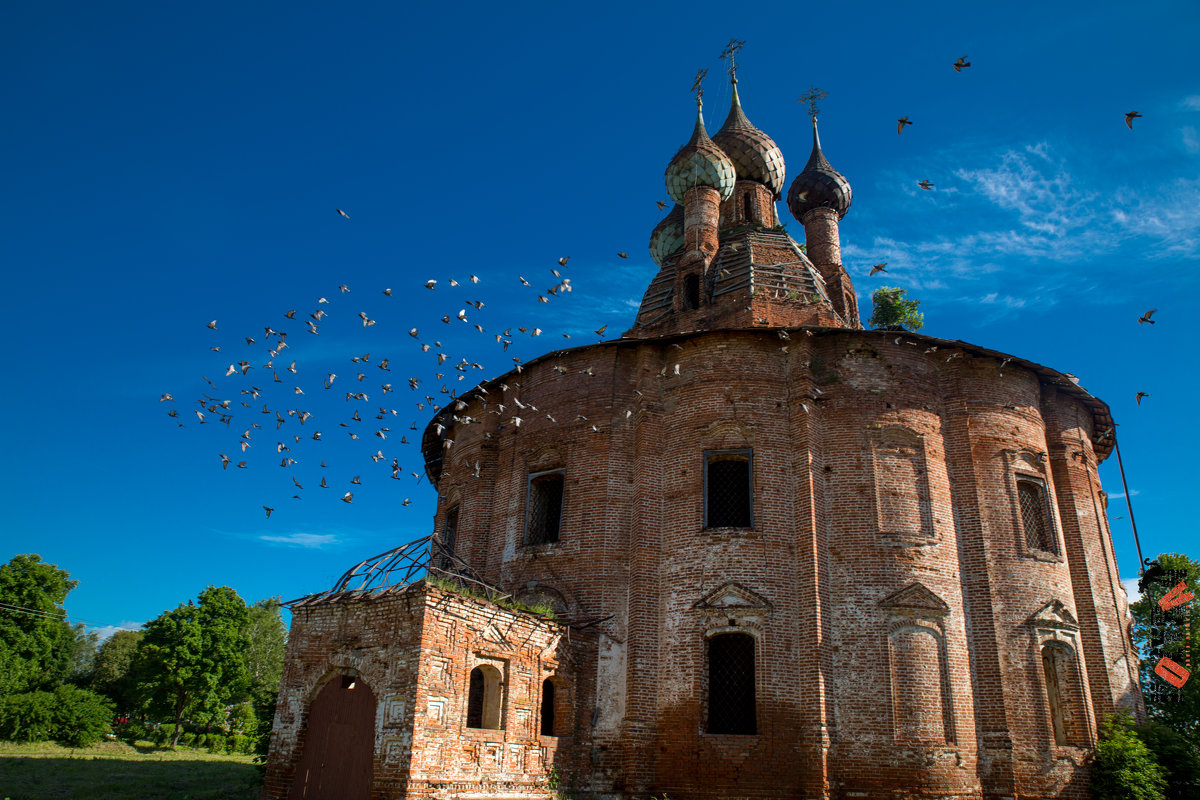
[348, 682]
[731, 701]
[727, 490]
[691, 292]
[544, 510]
[746, 207]
[475, 699]
[1035, 518]
[449, 534]
[547, 708]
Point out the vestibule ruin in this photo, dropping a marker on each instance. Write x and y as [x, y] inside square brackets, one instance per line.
[787, 557]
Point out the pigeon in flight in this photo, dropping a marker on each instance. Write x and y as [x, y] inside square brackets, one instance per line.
[900, 123]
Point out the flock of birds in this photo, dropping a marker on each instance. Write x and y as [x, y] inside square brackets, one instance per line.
[959, 65]
[218, 405]
[235, 403]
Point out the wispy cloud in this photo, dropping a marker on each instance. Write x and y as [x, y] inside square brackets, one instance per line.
[314, 541]
[1191, 142]
[1191, 103]
[1121, 495]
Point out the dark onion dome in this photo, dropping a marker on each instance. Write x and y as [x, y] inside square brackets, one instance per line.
[755, 155]
[700, 163]
[818, 185]
[667, 236]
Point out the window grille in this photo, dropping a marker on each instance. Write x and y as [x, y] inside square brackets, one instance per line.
[1034, 517]
[731, 702]
[475, 699]
[691, 292]
[727, 490]
[543, 515]
[449, 534]
[547, 707]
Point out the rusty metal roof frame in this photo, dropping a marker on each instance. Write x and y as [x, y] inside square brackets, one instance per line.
[393, 571]
[431, 442]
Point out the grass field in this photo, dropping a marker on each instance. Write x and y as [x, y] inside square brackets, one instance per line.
[117, 771]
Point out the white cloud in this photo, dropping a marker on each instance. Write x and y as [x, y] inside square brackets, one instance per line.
[1191, 103]
[1131, 589]
[314, 541]
[106, 631]
[1191, 142]
[1121, 495]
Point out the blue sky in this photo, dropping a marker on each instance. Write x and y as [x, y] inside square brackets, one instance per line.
[168, 164]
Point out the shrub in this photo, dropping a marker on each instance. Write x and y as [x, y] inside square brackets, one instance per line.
[188, 739]
[1123, 768]
[27, 717]
[1178, 757]
[69, 715]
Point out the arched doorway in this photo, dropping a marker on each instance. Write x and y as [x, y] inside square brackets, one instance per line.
[339, 743]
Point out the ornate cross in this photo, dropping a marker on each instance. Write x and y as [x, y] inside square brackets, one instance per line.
[730, 52]
[697, 85]
[811, 98]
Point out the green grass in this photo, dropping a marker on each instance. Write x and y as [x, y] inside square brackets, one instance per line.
[117, 771]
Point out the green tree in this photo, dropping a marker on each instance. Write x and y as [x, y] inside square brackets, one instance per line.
[1123, 768]
[83, 655]
[1178, 757]
[893, 310]
[268, 641]
[1166, 634]
[35, 639]
[113, 676]
[192, 662]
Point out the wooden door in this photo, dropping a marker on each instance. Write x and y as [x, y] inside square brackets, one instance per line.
[339, 746]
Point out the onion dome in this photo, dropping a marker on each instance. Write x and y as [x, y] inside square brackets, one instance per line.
[818, 185]
[700, 163]
[667, 236]
[755, 155]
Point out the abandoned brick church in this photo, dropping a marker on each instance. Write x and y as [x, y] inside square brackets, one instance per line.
[787, 557]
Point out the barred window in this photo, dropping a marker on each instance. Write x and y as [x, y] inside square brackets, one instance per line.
[449, 533]
[731, 702]
[691, 292]
[543, 508]
[1035, 516]
[728, 486]
[483, 698]
[547, 707]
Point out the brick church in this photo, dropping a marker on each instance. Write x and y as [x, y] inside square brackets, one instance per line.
[768, 553]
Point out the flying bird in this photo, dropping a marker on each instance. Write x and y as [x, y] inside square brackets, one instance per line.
[267, 509]
[661, 205]
[878, 268]
[900, 123]
[388, 292]
[1146, 317]
[622, 255]
[347, 216]
[430, 284]
[960, 63]
[1140, 395]
[562, 262]
[212, 325]
[1130, 117]
[348, 497]
[926, 185]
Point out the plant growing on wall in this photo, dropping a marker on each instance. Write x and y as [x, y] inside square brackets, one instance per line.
[893, 310]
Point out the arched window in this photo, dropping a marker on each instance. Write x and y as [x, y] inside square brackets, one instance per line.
[543, 507]
[483, 698]
[547, 708]
[731, 699]
[1063, 695]
[691, 292]
[1035, 516]
[449, 534]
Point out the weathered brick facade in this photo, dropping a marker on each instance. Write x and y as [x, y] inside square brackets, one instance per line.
[924, 569]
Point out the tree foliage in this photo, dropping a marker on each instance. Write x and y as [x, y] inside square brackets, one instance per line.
[192, 662]
[1166, 634]
[83, 655]
[1123, 767]
[892, 309]
[69, 715]
[113, 675]
[268, 640]
[36, 642]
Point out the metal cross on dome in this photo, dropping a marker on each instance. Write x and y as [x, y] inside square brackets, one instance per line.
[730, 52]
[811, 98]
[697, 85]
